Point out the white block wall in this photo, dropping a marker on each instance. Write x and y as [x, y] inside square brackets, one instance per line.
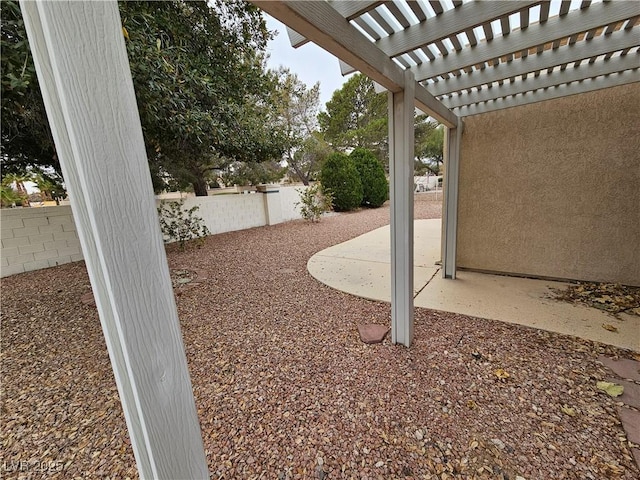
[35, 238]
[289, 196]
[227, 213]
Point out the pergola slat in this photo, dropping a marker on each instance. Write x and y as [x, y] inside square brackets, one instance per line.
[324, 26]
[349, 9]
[538, 35]
[460, 19]
[612, 65]
[579, 51]
[616, 79]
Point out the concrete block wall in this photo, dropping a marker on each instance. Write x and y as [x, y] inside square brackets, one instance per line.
[289, 196]
[228, 213]
[35, 238]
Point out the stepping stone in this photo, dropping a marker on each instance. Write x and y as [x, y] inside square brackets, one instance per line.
[372, 333]
[88, 299]
[636, 455]
[623, 367]
[631, 394]
[631, 423]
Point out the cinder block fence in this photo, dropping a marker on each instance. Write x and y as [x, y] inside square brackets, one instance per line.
[35, 238]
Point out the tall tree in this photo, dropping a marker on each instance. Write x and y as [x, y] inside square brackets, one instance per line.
[429, 142]
[200, 82]
[309, 158]
[201, 86]
[356, 116]
[297, 109]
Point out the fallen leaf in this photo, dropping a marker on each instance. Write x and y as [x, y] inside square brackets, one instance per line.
[501, 374]
[609, 327]
[612, 389]
[566, 409]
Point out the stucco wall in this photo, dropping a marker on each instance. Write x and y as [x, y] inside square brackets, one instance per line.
[553, 189]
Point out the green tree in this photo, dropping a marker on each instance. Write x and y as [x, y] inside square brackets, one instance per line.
[26, 137]
[356, 116]
[297, 108]
[252, 173]
[429, 142]
[309, 158]
[203, 94]
[340, 178]
[375, 187]
[201, 86]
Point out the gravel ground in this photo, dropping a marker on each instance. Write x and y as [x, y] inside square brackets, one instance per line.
[285, 389]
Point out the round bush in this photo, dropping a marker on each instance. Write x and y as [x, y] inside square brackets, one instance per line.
[340, 176]
[375, 187]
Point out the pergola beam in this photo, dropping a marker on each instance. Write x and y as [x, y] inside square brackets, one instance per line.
[584, 71]
[534, 36]
[349, 9]
[613, 80]
[83, 71]
[600, 45]
[324, 26]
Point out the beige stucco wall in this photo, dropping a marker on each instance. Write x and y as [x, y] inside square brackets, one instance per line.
[553, 189]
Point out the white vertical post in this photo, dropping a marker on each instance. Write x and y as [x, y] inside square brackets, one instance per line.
[450, 200]
[401, 153]
[84, 75]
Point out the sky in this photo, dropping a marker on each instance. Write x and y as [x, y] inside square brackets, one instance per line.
[311, 63]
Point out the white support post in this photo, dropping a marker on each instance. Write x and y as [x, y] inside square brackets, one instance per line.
[83, 71]
[401, 152]
[450, 200]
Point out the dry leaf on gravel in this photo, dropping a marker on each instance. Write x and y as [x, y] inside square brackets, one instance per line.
[611, 328]
[611, 389]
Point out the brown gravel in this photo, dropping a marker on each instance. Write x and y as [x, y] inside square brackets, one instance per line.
[285, 389]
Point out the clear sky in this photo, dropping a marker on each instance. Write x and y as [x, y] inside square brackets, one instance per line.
[311, 63]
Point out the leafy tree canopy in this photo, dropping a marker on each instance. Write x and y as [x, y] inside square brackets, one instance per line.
[340, 178]
[26, 137]
[202, 91]
[429, 142]
[356, 116]
[375, 187]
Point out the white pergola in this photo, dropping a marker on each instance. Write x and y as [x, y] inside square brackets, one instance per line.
[449, 58]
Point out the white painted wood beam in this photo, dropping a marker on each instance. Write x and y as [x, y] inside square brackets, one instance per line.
[600, 45]
[584, 71]
[436, 29]
[332, 32]
[613, 80]
[401, 155]
[453, 138]
[348, 9]
[535, 35]
[83, 71]
[465, 17]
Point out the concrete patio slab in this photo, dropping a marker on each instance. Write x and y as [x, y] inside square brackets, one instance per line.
[361, 266]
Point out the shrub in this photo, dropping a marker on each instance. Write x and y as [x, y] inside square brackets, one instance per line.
[375, 187]
[339, 176]
[180, 225]
[314, 202]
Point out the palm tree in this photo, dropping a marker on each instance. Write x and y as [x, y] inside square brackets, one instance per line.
[18, 180]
